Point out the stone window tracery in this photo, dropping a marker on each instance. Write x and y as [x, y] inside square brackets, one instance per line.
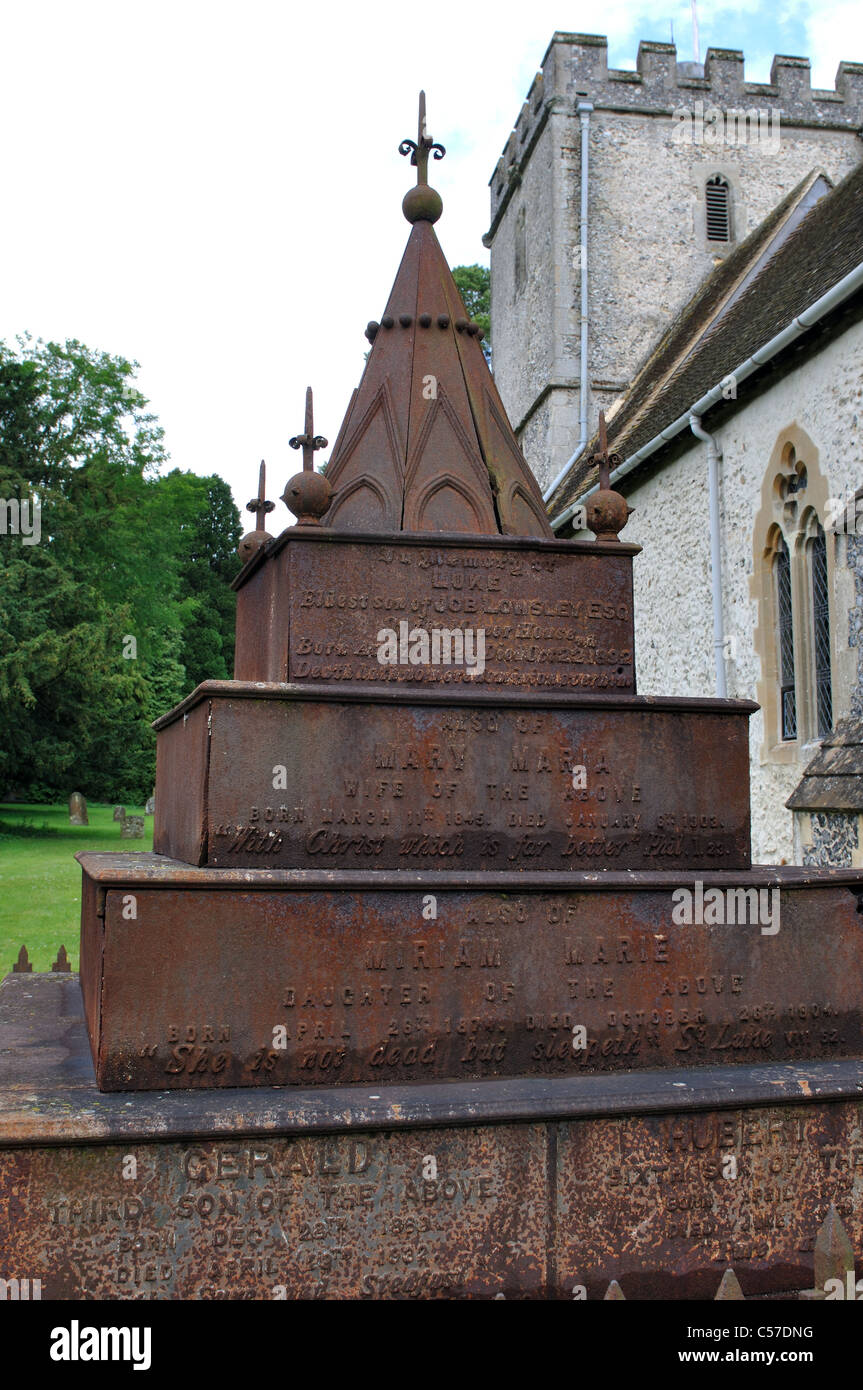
[793, 589]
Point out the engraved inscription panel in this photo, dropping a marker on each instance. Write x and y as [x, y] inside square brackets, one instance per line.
[665, 1204]
[510, 1211]
[430, 786]
[550, 620]
[329, 988]
[421, 1214]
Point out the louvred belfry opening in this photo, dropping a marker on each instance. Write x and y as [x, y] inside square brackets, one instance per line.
[426, 445]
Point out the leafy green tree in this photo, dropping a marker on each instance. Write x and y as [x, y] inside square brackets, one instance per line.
[206, 525]
[128, 583]
[474, 286]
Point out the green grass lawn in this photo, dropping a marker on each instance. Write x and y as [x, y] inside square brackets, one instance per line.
[40, 881]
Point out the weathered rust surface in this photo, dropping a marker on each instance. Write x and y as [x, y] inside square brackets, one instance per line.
[182, 779]
[520, 1211]
[414, 1192]
[664, 1204]
[626, 783]
[527, 1211]
[259, 983]
[48, 1093]
[556, 615]
[459, 1214]
[551, 620]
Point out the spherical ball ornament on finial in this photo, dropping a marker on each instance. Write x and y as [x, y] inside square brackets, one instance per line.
[308, 496]
[251, 543]
[422, 204]
[607, 514]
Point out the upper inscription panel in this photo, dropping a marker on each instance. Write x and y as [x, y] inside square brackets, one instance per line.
[524, 618]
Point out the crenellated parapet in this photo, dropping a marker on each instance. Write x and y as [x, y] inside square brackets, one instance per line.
[575, 68]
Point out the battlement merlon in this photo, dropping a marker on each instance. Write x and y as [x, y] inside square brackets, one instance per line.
[575, 68]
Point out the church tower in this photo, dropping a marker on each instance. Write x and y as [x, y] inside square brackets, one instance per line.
[616, 195]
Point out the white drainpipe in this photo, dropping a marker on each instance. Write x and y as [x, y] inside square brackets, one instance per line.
[714, 454]
[584, 109]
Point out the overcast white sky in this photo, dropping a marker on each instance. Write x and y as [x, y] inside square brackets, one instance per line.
[214, 190]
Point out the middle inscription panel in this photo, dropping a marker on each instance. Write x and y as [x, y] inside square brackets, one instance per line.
[633, 784]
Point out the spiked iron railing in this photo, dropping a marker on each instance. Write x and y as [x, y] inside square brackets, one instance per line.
[833, 1266]
[62, 965]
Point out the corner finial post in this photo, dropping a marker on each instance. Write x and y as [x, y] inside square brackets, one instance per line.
[259, 506]
[602, 457]
[309, 442]
[607, 511]
[253, 541]
[308, 494]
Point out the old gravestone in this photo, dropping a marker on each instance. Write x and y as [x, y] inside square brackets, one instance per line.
[132, 828]
[119, 813]
[150, 807]
[77, 810]
[453, 937]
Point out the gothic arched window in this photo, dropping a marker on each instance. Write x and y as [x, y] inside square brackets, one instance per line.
[820, 600]
[794, 582]
[717, 197]
[785, 639]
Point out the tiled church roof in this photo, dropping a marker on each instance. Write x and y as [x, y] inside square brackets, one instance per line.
[833, 780]
[689, 359]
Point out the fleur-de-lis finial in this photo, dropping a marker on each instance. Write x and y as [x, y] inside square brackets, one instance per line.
[607, 511]
[308, 494]
[420, 148]
[603, 458]
[309, 442]
[259, 506]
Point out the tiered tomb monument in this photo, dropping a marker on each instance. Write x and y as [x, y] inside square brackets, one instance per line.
[450, 975]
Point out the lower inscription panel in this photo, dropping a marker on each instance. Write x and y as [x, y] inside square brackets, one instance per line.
[664, 1204]
[449, 1214]
[636, 784]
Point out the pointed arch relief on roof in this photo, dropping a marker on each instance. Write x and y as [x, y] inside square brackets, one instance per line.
[518, 511]
[363, 506]
[447, 503]
[443, 449]
[511, 478]
[376, 433]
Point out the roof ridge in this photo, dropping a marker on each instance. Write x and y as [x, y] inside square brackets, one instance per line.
[624, 423]
[745, 257]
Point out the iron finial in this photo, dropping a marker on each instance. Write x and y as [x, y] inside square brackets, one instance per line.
[259, 504]
[602, 456]
[420, 148]
[422, 203]
[253, 541]
[607, 511]
[308, 494]
[309, 441]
